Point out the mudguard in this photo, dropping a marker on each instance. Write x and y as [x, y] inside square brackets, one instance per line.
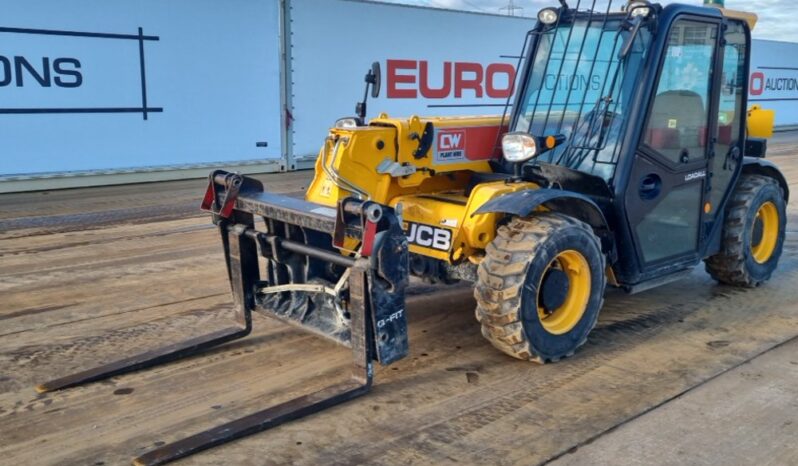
[758, 166]
[523, 203]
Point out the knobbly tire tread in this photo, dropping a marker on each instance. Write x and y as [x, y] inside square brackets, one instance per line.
[729, 265]
[501, 277]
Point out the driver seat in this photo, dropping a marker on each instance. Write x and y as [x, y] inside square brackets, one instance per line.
[677, 125]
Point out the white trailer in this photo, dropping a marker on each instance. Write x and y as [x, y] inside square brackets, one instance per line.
[773, 82]
[99, 92]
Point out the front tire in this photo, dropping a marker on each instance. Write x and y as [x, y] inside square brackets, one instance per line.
[753, 233]
[540, 287]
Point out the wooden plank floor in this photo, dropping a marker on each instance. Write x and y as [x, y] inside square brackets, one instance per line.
[91, 275]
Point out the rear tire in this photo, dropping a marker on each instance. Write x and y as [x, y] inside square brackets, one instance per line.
[540, 287]
[753, 233]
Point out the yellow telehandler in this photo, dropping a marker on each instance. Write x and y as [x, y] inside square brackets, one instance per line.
[628, 156]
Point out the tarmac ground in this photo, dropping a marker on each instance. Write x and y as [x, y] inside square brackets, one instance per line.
[689, 373]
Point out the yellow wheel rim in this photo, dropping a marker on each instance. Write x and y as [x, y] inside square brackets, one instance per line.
[767, 218]
[570, 312]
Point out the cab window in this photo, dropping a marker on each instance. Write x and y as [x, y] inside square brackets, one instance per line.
[677, 126]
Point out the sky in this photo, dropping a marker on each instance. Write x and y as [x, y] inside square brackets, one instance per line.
[775, 16]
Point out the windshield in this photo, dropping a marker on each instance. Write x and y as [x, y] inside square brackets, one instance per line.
[580, 88]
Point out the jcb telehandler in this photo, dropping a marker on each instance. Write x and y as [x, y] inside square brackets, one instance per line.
[629, 156]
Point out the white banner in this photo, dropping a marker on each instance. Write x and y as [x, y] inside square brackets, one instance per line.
[97, 85]
[774, 79]
[434, 62]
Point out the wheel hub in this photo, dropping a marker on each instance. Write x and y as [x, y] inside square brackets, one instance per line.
[554, 290]
[756, 235]
[765, 233]
[563, 292]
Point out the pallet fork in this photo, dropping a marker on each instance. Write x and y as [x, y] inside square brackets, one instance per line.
[354, 299]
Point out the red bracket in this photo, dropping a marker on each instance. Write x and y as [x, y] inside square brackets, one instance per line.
[369, 232]
[232, 183]
[369, 214]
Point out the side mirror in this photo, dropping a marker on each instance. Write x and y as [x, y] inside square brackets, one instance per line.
[375, 79]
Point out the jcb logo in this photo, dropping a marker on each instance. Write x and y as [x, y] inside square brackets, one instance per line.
[428, 237]
[451, 140]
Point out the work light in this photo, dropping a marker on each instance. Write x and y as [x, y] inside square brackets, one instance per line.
[548, 16]
[519, 146]
[638, 9]
[348, 122]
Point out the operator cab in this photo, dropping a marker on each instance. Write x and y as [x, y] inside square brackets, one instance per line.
[580, 79]
[643, 111]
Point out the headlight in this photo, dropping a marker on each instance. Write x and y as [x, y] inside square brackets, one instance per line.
[548, 16]
[348, 122]
[519, 147]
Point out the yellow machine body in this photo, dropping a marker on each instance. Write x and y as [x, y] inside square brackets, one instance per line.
[438, 190]
[748, 17]
[761, 122]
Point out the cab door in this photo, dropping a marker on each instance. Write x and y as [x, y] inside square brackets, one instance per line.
[669, 182]
[725, 161]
